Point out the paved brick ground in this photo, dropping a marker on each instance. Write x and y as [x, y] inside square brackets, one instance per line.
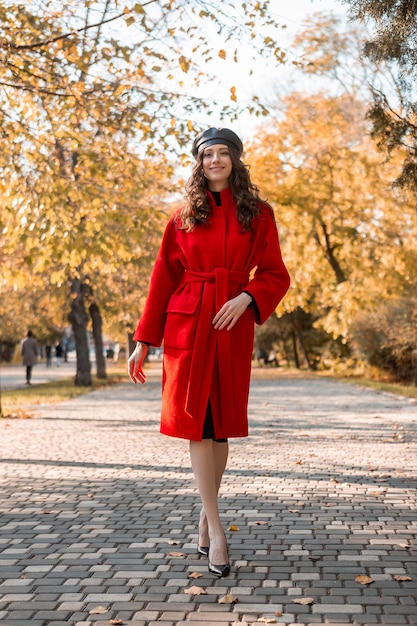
[100, 510]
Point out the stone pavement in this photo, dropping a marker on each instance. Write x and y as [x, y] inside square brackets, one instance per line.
[14, 376]
[99, 512]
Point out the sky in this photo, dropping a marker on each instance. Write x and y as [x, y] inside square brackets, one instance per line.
[294, 11]
[266, 78]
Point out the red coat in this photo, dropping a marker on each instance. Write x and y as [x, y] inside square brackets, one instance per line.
[195, 273]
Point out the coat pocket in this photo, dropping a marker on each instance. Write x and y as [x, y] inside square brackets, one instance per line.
[180, 321]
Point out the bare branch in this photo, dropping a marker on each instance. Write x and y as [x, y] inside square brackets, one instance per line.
[39, 44]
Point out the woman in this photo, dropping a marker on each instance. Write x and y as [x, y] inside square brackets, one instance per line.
[218, 271]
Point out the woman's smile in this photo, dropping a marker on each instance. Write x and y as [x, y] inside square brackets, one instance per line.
[217, 166]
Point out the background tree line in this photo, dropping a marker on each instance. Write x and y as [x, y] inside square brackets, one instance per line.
[347, 212]
[94, 96]
[90, 148]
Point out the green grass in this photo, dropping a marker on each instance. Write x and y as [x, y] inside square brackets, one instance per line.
[17, 402]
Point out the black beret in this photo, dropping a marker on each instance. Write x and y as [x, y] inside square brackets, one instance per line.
[213, 136]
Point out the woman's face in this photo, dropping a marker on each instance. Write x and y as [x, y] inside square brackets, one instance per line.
[217, 166]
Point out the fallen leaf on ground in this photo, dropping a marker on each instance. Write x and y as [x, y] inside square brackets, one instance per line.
[363, 579]
[278, 613]
[299, 462]
[173, 542]
[116, 622]
[403, 544]
[98, 610]
[233, 528]
[17, 415]
[229, 599]
[266, 620]
[177, 555]
[195, 591]
[261, 523]
[303, 601]
[401, 577]
[194, 575]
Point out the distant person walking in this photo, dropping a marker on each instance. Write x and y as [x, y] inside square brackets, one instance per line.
[29, 355]
[58, 354]
[48, 355]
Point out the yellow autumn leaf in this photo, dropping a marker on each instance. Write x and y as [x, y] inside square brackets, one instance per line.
[98, 610]
[233, 528]
[228, 599]
[195, 591]
[233, 94]
[402, 578]
[363, 579]
[222, 54]
[184, 63]
[303, 601]
[194, 575]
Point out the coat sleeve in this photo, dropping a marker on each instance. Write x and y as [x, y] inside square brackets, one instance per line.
[271, 279]
[166, 275]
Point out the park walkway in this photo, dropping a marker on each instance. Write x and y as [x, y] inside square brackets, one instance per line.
[99, 512]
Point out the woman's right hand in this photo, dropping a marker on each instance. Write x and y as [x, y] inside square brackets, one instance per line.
[135, 363]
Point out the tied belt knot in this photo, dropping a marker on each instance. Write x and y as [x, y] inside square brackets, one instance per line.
[214, 294]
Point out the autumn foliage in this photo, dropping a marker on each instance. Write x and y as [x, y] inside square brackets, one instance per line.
[98, 106]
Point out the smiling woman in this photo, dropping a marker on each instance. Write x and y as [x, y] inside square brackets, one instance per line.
[203, 304]
[217, 167]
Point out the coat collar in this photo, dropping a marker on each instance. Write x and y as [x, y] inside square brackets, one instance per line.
[226, 197]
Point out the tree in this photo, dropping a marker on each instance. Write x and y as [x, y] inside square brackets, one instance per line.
[347, 235]
[393, 112]
[86, 116]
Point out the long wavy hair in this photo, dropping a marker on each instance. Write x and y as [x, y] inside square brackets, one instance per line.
[197, 208]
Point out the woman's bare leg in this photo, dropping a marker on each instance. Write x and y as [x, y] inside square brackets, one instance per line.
[206, 464]
[221, 453]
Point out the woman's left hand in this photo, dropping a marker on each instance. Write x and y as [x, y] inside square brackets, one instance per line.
[231, 311]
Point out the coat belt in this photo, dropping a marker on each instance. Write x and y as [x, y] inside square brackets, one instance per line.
[214, 291]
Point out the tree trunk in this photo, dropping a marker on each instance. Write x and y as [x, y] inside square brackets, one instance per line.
[295, 351]
[98, 340]
[303, 348]
[79, 319]
[329, 254]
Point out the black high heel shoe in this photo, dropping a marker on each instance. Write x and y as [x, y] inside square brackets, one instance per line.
[203, 550]
[219, 570]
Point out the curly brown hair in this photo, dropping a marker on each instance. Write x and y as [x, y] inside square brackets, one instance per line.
[197, 208]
